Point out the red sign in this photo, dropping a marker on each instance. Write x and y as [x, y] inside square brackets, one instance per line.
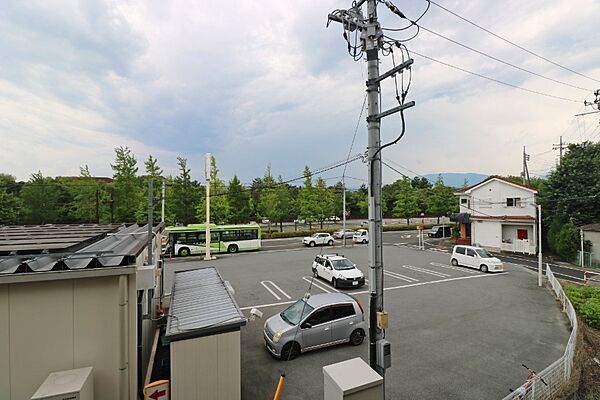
[158, 390]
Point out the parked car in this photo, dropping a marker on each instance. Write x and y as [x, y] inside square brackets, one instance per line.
[265, 221]
[361, 236]
[340, 234]
[475, 257]
[338, 270]
[334, 219]
[324, 319]
[439, 231]
[299, 221]
[318, 238]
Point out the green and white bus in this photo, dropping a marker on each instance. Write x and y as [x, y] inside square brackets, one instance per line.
[191, 239]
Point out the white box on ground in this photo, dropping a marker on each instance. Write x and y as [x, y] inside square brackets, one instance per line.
[74, 384]
[352, 380]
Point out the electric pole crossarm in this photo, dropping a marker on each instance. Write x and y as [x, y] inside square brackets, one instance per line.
[377, 117]
[391, 72]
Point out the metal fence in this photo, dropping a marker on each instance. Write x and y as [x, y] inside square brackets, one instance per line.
[588, 260]
[558, 373]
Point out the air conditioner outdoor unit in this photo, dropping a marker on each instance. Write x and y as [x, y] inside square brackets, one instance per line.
[75, 384]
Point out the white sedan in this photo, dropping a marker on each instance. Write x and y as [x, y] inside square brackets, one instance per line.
[318, 239]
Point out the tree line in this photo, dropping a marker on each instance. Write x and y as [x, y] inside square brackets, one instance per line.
[123, 198]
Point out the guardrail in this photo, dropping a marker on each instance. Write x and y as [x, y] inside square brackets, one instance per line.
[547, 383]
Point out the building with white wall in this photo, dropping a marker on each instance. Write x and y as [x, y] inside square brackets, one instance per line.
[499, 215]
[69, 298]
[591, 233]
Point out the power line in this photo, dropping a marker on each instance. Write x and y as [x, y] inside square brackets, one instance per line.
[511, 42]
[394, 169]
[412, 172]
[503, 61]
[362, 110]
[495, 80]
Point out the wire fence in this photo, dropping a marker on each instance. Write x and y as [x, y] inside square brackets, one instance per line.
[588, 260]
[546, 384]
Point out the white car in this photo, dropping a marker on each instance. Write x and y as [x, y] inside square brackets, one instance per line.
[361, 236]
[318, 239]
[475, 257]
[337, 270]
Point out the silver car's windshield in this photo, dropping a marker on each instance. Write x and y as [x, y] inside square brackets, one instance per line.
[483, 253]
[342, 264]
[296, 312]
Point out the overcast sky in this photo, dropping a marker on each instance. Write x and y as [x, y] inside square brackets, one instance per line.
[265, 82]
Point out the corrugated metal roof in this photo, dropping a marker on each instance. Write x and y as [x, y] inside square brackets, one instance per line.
[201, 305]
[116, 248]
[27, 239]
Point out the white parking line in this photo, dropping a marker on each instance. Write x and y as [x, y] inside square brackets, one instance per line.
[315, 284]
[468, 271]
[459, 278]
[426, 271]
[399, 276]
[277, 288]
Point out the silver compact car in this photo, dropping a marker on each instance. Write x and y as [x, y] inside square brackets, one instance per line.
[321, 320]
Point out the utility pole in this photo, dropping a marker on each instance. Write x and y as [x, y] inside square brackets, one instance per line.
[581, 234]
[97, 205]
[344, 210]
[525, 173]
[162, 206]
[559, 147]
[539, 245]
[150, 212]
[207, 170]
[371, 38]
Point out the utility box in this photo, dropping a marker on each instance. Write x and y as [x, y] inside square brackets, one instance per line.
[74, 384]
[352, 380]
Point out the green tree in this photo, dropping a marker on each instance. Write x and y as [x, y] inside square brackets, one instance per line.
[567, 242]
[219, 205]
[442, 199]
[239, 201]
[407, 202]
[10, 203]
[40, 196]
[267, 204]
[307, 200]
[573, 189]
[184, 196]
[285, 202]
[154, 173]
[126, 185]
[87, 194]
[323, 201]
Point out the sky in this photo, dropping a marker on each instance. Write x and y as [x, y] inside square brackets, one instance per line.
[267, 83]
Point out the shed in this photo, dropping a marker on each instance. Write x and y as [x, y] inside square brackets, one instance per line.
[203, 329]
[591, 233]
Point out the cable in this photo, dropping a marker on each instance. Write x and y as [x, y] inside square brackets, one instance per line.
[391, 6]
[496, 80]
[355, 131]
[394, 169]
[510, 42]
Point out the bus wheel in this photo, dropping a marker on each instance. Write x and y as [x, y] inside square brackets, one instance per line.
[233, 248]
[184, 252]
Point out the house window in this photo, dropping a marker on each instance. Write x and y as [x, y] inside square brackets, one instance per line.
[513, 202]
[463, 201]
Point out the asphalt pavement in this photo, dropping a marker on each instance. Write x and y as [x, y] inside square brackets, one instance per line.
[456, 333]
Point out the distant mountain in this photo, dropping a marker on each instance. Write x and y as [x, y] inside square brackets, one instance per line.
[457, 179]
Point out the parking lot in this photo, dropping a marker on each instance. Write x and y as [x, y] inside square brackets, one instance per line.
[456, 333]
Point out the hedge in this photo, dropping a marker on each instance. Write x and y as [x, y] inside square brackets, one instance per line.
[586, 301]
[386, 228]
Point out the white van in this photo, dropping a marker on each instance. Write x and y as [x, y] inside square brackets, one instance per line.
[475, 257]
[361, 236]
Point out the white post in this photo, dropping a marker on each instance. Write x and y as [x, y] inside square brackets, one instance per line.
[162, 211]
[581, 234]
[539, 245]
[344, 211]
[207, 169]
